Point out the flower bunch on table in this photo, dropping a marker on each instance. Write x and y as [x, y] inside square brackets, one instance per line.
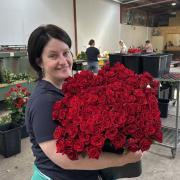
[116, 106]
[134, 50]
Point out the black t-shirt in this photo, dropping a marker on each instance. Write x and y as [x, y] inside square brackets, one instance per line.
[92, 54]
[40, 127]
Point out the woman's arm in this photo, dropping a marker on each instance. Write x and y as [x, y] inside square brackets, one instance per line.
[84, 163]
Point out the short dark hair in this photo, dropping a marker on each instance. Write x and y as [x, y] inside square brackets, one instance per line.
[148, 41]
[39, 39]
[91, 42]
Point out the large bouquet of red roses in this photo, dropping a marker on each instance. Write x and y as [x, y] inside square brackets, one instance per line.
[116, 107]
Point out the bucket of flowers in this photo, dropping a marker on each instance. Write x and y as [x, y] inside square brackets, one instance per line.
[10, 140]
[115, 111]
[12, 127]
[16, 99]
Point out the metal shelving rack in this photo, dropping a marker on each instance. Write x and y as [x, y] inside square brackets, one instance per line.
[171, 135]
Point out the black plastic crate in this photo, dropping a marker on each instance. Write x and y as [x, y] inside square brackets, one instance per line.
[24, 132]
[154, 64]
[10, 140]
[130, 170]
[164, 63]
[168, 63]
[164, 92]
[77, 66]
[116, 58]
[134, 63]
[127, 171]
[163, 107]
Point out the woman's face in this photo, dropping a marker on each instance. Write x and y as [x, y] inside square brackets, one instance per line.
[56, 61]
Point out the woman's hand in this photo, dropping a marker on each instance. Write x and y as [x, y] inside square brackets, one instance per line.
[132, 157]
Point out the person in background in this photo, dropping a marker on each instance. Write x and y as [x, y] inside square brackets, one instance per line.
[123, 48]
[50, 56]
[170, 44]
[92, 57]
[148, 47]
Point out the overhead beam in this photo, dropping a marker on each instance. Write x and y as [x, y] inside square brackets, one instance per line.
[150, 4]
[120, 2]
[129, 2]
[117, 1]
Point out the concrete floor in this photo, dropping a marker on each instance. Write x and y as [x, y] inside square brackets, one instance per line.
[157, 163]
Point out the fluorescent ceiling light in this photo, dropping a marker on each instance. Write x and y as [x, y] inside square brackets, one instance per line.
[117, 1]
[173, 4]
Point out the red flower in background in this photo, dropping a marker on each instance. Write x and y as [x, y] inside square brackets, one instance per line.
[16, 99]
[116, 106]
[134, 50]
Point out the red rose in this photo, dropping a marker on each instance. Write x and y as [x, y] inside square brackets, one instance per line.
[73, 155]
[69, 143]
[145, 144]
[78, 146]
[85, 138]
[97, 141]
[119, 141]
[62, 114]
[130, 129]
[93, 152]
[18, 85]
[59, 133]
[72, 131]
[149, 130]
[158, 136]
[132, 144]
[55, 115]
[60, 145]
[111, 133]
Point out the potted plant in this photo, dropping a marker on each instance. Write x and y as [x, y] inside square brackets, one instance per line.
[10, 140]
[82, 55]
[8, 79]
[16, 99]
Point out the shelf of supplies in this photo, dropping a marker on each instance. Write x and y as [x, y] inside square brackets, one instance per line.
[10, 55]
[4, 55]
[170, 125]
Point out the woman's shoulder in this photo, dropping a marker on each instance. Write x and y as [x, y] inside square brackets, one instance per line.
[41, 100]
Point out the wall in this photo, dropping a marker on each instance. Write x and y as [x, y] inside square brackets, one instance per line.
[164, 31]
[95, 19]
[169, 30]
[175, 21]
[19, 17]
[135, 35]
[99, 20]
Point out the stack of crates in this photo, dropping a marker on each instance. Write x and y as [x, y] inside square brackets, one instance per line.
[156, 64]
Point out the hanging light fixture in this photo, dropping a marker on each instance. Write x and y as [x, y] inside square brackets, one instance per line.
[173, 4]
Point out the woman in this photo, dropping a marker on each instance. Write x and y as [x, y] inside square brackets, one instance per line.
[50, 56]
[123, 48]
[148, 47]
[92, 56]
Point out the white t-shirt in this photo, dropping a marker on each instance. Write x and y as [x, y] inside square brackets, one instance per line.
[148, 47]
[123, 49]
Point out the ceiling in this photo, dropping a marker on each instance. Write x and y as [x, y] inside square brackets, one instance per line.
[151, 6]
